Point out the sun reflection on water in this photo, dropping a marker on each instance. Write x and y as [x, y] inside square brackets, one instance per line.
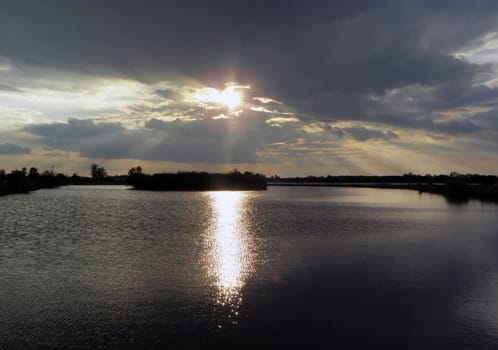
[229, 247]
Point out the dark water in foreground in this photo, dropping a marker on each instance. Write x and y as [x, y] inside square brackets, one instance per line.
[347, 268]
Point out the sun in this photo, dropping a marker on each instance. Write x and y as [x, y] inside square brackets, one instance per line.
[229, 97]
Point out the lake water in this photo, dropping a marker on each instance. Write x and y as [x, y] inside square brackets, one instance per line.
[292, 267]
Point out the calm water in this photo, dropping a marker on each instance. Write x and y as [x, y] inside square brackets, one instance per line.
[347, 268]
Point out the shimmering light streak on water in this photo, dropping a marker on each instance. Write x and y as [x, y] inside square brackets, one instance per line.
[229, 245]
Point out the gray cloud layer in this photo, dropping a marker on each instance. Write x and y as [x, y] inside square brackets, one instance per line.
[4, 87]
[205, 141]
[323, 58]
[398, 64]
[9, 148]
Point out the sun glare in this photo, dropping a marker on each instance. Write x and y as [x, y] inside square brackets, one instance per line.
[228, 97]
[230, 247]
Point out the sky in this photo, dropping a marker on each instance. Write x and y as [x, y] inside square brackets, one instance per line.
[292, 88]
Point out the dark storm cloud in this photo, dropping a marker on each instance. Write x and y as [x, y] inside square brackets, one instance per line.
[312, 39]
[325, 59]
[215, 141]
[489, 119]
[457, 127]
[200, 39]
[361, 133]
[9, 148]
[433, 124]
[167, 94]
[207, 141]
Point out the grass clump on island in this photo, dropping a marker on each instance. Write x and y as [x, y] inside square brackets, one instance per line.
[196, 181]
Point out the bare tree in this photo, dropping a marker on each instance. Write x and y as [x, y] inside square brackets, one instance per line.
[98, 172]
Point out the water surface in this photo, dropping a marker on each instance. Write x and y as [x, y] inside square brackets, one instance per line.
[106, 267]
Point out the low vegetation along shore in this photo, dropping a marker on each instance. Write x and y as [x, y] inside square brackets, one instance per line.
[23, 181]
[196, 181]
[454, 187]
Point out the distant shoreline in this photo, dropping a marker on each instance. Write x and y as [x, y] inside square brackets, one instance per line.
[453, 191]
[352, 184]
[454, 187]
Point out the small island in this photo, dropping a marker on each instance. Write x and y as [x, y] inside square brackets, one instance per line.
[197, 181]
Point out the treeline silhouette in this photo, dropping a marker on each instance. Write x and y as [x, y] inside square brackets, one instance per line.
[23, 181]
[402, 179]
[196, 181]
[99, 176]
[76, 179]
[455, 187]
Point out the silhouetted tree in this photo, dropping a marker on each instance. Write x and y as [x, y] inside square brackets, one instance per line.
[135, 171]
[17, 173]
[98, 172]
[33, 172]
